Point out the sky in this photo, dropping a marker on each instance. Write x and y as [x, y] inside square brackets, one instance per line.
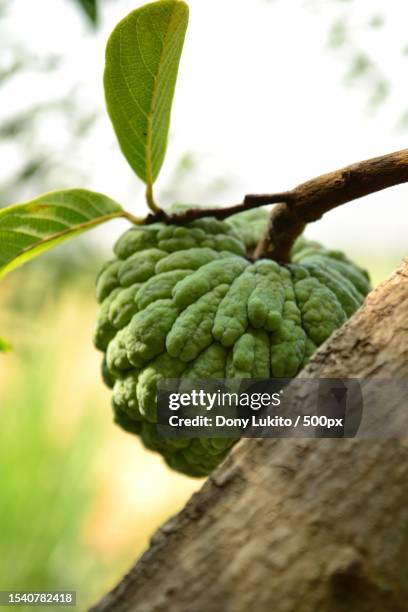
[260, 101]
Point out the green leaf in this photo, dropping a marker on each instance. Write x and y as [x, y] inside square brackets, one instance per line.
[5, 346]
[90, 8]
[29, 229]
[142, 60]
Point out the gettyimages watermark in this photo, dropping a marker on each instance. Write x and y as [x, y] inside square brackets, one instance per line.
[275, 408]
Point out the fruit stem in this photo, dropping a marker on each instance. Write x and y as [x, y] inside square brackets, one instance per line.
[150, 200]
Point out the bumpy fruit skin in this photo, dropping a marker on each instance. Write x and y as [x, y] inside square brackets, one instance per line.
[187, 302]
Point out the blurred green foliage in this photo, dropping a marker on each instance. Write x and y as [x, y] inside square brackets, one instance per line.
[357, 32]
[20, 130]
[362, 68]
[46, 487]
[5, 346]
[354, 39]
[44, 280]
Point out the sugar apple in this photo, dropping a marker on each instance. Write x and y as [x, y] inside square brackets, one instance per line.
[187, 301]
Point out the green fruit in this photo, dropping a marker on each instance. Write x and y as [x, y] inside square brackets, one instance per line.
[186, 302]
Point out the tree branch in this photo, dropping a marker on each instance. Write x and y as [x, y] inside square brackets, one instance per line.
[307, 202]
[311, 200]
[191, 214]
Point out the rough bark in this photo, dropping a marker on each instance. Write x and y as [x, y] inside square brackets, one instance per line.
[299, 525]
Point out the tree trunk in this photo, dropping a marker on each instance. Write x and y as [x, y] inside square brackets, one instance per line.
[296, 525]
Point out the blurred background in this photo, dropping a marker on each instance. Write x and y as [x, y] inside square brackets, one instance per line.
[270, 93]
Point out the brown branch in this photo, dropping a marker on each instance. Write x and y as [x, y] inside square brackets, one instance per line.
[310, 201]
[307, 202]
[191, 214]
